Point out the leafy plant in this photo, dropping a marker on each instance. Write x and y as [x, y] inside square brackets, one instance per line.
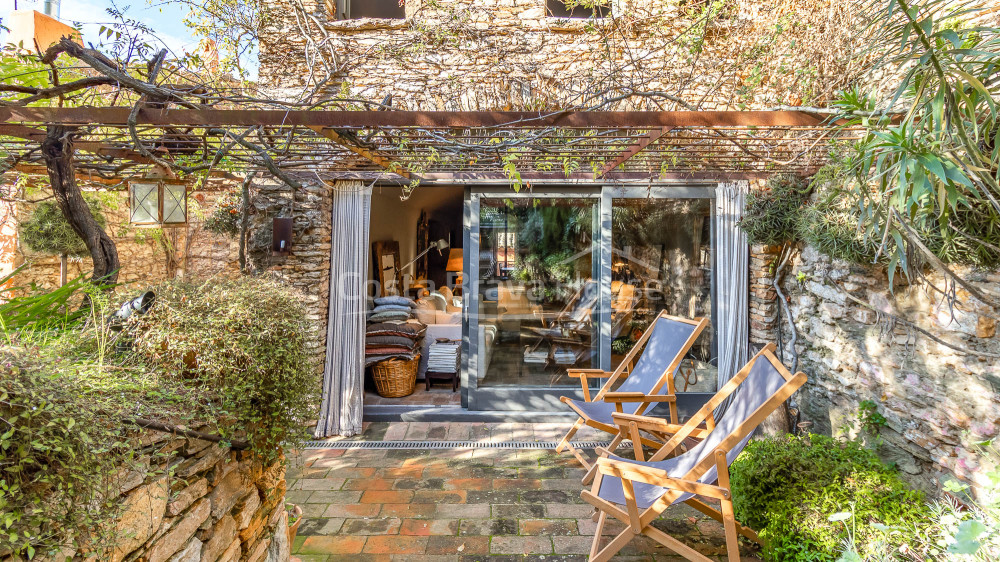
[46, 230]
[771, 215]
[225, 218]
[787, 487]
[245, 339]
[955, 530]
[928, 160]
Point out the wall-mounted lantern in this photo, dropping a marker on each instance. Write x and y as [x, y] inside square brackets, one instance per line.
[158, 202]
[281, 236]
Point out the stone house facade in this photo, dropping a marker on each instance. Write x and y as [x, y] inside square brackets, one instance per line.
[514, 54]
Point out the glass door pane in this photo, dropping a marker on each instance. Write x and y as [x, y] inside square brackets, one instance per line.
[538, 299]
[661, 261]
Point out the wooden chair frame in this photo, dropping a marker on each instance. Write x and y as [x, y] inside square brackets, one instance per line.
[639, 522]
[644, 400]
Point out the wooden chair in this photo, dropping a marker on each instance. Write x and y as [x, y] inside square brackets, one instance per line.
[637, 491]
[660, 351]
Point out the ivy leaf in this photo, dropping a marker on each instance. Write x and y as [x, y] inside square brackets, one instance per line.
[967, 537]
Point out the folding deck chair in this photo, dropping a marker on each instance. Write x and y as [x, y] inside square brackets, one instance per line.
[636, 492]
[662, 346]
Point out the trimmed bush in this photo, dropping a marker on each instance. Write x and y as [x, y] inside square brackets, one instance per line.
[245, 339]
[787, 488]
[47, 231]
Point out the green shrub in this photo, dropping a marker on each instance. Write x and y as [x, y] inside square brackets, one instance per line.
[67, 445]
[771, 215]
[225, 218]
[46, 231]
[227, 356]
[787, 488]
[245, 339]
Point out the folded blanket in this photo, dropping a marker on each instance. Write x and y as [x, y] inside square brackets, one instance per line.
[394, 299]
[385, 349]
[377, 340]
[385, 307]
[388, 315]
[373, 359]
[413, 328]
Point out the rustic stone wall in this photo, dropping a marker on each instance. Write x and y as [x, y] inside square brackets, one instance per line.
[188, 250]
[209, 504]
[509, 54]
[191, 500]
[307, 266]
[938, 402]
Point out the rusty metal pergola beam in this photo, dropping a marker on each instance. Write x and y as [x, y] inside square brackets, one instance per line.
[636, 148]
[374, 156]
[118, 116]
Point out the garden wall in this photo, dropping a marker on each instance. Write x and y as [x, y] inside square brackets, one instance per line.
[143, 254]
[937, 401]
[208, 504]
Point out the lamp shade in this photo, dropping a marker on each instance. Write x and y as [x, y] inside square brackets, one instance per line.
[454, 260]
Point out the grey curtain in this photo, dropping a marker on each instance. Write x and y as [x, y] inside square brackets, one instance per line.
[343, 373]
[732, 272]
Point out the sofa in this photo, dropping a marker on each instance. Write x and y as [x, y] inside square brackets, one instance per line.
[443, 318]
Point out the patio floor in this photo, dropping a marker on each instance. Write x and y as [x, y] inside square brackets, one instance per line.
[461, 504]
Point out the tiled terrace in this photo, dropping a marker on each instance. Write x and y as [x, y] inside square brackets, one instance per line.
[465, 504]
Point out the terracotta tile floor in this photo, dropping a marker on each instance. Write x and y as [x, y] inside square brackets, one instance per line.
[465, 505]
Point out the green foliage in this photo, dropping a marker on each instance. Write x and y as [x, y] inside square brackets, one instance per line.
[926, 169]
[225, 218]
[771, 216]
[955, 530]
[229, 354]
[786, 488]
[39, 311]
[245, 339]
[46, 231]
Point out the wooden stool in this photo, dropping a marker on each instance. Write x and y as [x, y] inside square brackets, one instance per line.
[445, 376]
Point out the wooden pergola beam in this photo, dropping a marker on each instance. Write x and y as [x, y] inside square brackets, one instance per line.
[372, 155]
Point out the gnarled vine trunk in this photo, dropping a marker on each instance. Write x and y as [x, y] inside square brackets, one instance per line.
[57, 149]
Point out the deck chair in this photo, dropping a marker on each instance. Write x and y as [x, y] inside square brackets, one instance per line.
[636, 492]
[662, 347]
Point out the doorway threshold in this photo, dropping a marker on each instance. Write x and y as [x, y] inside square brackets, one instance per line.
[420, 413]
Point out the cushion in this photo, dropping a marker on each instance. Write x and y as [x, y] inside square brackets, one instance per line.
[449, 297]
[377, 340]
[413, 327]
[385, 307]
[394, 300]
[387, 349]
[389, 315]
[435, 300]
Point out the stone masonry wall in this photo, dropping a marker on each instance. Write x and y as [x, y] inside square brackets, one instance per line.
[201, 503]
[938, 402]
[509, 54]
[196, 251]
[307, 266]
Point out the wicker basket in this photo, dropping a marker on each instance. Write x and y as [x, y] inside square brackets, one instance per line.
[395, 378]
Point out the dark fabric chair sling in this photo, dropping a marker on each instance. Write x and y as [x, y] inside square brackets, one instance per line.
[637, 491]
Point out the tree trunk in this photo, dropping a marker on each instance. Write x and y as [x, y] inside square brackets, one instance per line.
[57, 149]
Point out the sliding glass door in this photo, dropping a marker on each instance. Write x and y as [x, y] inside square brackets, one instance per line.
[557, 280]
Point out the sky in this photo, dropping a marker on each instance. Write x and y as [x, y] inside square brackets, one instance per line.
[164, 17]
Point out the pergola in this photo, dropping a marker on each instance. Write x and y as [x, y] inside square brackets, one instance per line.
[436, 146]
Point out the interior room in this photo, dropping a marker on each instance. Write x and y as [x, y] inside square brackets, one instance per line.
[416, 245]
